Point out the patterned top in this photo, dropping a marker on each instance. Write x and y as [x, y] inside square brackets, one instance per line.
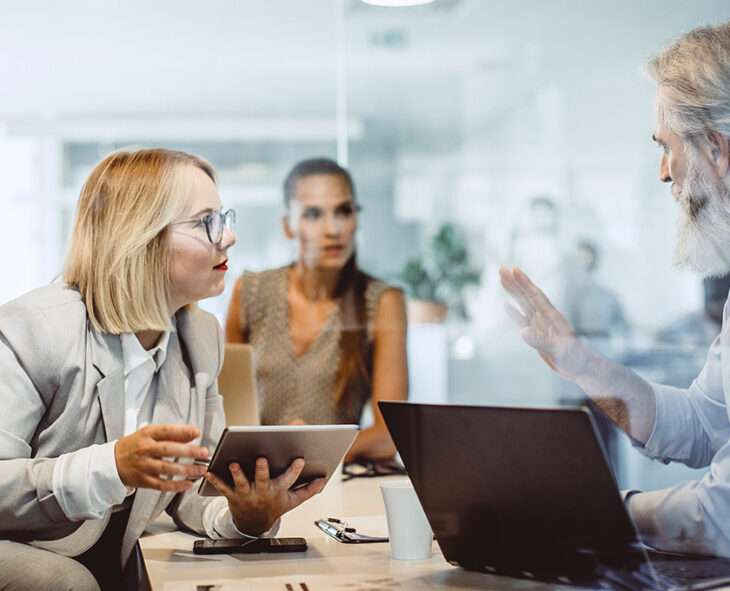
[291, 387]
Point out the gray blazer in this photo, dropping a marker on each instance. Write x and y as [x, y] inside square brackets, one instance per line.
[62, 389]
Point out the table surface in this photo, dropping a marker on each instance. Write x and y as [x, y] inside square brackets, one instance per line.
[327, 563]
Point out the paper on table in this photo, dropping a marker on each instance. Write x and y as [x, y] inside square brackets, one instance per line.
[335, 582]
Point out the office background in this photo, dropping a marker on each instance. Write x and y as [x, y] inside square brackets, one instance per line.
[524, 124]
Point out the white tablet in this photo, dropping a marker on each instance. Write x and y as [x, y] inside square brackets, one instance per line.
[321, 446]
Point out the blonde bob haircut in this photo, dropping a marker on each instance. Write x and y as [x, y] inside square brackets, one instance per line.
[119, 257]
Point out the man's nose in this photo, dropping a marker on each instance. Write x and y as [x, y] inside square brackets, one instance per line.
[664, 175]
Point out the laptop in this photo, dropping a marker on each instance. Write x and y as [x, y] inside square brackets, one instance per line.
[528, 492]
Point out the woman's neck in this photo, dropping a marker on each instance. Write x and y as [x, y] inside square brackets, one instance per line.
[148, 338]
[315, 284]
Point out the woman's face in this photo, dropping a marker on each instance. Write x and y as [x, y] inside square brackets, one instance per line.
[197, 267]
[323, 217]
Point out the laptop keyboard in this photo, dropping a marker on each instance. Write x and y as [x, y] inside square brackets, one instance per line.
[696, 572]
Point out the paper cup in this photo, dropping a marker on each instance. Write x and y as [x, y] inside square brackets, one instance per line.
[408, 529]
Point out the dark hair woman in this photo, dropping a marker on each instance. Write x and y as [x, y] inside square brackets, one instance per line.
[327, 338]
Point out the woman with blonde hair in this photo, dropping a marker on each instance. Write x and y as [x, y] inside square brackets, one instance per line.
[328, 338]
[109, 388]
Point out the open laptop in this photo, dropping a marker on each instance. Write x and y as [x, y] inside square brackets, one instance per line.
[528, 492]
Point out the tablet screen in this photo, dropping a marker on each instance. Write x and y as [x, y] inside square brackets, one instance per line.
[321, 446]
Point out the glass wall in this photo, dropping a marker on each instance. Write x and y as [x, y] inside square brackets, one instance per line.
[518, 131]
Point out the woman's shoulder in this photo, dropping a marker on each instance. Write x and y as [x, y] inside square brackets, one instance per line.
[202, 336]
[376, 288]
[57, 304]
[264, 277]
[260, 287]
[46, 328]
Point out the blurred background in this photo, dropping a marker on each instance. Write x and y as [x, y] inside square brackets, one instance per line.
[479, 133]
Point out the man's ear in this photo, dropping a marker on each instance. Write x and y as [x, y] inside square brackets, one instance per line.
[719, 153]
[288, 232]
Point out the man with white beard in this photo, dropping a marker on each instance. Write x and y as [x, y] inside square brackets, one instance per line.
[687, 425]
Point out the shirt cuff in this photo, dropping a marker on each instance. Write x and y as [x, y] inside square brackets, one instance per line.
[218, 523]
[86, 482]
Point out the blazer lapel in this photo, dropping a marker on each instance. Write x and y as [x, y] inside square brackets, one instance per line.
[173, 387]
[106, 355]
[172, 406]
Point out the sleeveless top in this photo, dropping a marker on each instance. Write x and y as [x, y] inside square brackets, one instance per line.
[291, 387]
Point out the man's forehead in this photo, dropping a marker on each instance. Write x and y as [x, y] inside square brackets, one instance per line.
[658, 114]
[661, 133]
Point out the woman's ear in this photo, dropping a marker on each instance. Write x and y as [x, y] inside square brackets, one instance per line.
[288, 232]
[719, 152]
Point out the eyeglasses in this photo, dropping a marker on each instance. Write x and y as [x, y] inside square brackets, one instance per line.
[214, 223]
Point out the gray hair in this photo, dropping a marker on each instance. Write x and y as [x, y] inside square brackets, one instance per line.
[693, 77]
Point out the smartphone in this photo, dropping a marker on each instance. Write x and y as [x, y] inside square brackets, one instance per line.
[208, 546]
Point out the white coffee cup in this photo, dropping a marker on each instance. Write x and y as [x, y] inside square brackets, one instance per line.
[408, 529]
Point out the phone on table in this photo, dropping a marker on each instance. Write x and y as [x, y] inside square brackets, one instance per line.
[246, 546]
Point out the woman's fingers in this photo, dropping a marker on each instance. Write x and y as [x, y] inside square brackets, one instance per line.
[220, 485]
[240, 481]
[288, 478]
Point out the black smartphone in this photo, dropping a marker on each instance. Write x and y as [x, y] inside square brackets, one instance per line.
[208, 546]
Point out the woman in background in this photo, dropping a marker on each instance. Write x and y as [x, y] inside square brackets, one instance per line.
[109, 385]
[327, 337]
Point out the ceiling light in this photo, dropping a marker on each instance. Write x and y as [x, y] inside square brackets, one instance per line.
[397, 2]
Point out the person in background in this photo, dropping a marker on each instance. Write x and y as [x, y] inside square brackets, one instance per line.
[593, 310]
[109, 391]
[327, 337]
[671, 424]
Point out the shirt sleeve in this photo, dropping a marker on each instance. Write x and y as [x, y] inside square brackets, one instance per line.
[692, 427]
[218, 522]
[86, 482]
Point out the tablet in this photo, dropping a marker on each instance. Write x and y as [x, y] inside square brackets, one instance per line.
[321, 446]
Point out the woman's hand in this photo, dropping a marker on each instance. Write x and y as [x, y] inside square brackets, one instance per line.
[145, 458]
[255, 506]
[543, 327]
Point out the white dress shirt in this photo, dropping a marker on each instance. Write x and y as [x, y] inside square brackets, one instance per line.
[86, 482]
[692, 426]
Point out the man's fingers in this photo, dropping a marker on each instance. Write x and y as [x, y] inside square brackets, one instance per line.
[531, 291]
[516, 289]
[515, 314]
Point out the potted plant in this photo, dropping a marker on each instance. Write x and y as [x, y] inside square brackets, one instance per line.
[435, 281]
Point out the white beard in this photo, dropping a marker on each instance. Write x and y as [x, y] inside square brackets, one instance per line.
[703, 241]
